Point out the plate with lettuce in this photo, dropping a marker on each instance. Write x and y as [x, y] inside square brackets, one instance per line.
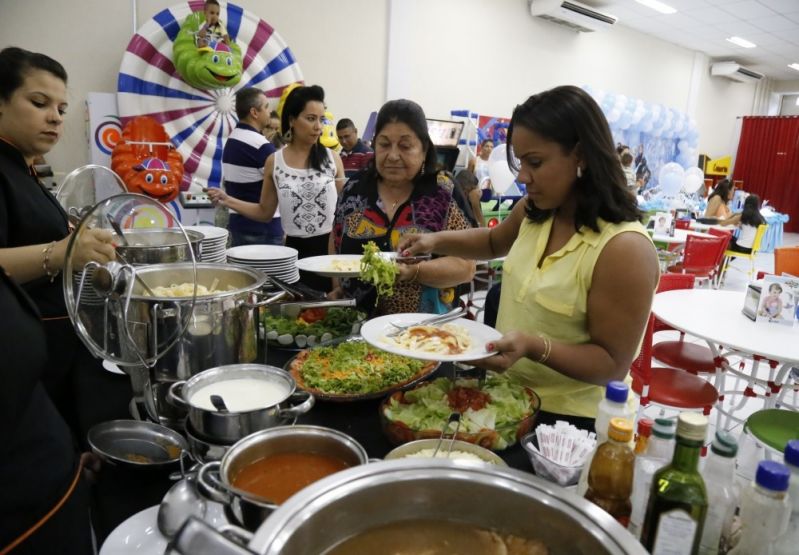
[494, 415]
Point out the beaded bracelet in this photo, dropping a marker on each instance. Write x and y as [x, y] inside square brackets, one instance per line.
[47, 252]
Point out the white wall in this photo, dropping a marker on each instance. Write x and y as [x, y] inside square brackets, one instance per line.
[789, 105]
[484, 55]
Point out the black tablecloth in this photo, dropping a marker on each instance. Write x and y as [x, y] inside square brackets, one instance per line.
[122, 492]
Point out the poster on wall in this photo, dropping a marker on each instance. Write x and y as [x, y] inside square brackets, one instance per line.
[650, 153]
[103, 127]
[494, 128]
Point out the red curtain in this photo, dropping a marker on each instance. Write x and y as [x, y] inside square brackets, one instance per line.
[768, 162]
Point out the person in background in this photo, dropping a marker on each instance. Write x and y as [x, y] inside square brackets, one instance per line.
[302, 179]
[573, 309]
[400, 192]
[355, 155]
[629, 173]
[213, 28]
[243, 160]
[272, 130]
[749, 219]
[468, 185]
[45, 500]
[717, 210]
[479, 166]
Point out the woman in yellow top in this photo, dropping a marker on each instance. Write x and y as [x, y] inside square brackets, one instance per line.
[580, 272]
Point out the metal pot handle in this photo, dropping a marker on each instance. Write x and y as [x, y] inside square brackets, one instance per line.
[197, 537]
[174, 395]
[209, 485]
[269, 300]
[236, 533]
[299, 403]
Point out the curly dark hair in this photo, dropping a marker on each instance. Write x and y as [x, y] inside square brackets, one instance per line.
[569, 116]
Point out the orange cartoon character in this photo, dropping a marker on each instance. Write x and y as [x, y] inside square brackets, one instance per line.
[147, 161]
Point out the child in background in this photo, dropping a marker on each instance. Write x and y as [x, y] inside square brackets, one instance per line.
[213, 29]
[627, 165]
[749, 220]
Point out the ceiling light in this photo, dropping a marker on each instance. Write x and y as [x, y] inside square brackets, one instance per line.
[741, 42]
[794, 66]
[657, 6]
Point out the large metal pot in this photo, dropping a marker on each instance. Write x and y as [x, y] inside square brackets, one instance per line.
[216, 478]
[356, 500]
[222, 327]
[232, 425]
[158, 246]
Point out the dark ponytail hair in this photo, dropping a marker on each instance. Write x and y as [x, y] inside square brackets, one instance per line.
[569, 116]
[751, 212]
[15, 63]
[295, 104]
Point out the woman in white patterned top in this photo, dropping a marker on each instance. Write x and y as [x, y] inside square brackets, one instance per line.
[303, 180]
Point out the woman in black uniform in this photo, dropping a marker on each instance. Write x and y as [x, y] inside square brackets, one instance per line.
[34, 233]
[45, 507]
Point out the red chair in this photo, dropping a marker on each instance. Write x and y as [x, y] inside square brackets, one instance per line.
[700, 257]
[668, 386]
[682, 224]
[690, 357]
[727, 237]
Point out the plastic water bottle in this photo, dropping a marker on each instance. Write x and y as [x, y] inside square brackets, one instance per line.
[788, 543]
[722, 494]
[657, 455]
[612, 406]
[765, 510]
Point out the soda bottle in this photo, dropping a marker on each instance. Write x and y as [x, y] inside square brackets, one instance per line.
[644, 432]
[677, 506]
[765, 510]
[610, 479]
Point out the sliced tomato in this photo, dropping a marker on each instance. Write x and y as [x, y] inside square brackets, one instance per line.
[311, 315]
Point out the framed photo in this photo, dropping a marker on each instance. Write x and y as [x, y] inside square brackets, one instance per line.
[777, 303]
[662, 222]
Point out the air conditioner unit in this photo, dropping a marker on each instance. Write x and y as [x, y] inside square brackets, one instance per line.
[735, 72]
[575, 16]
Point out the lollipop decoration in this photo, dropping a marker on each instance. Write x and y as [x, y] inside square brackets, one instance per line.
[216, 66]
[147, 161]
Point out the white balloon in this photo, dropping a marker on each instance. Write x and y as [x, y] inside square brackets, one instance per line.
[501, 177]
[670, 179]
[694, 179]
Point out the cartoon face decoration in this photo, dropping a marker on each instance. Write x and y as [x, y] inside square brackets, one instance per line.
[329, 137]
[216, 66]
[154, 178]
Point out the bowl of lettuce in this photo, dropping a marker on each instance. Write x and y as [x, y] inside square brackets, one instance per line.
[494, 415]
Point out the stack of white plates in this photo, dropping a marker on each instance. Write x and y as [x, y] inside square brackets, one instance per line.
[273, 260]
[214, 243]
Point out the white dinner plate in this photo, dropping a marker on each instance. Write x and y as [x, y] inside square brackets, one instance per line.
[374, 332]
[113, 368]
[139, 534]
[210, 232]
[323, 265]
[262, 252]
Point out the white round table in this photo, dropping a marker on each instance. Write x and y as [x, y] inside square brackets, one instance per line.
[679, 238]
[704, 227]
[716, 317]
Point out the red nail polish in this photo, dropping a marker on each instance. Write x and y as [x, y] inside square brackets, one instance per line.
[490, 347]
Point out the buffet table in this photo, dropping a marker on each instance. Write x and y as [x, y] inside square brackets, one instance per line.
[359, 419]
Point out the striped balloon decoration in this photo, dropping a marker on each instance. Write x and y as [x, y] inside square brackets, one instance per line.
[197, 120]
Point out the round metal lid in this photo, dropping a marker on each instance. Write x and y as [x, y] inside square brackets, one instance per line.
[109, 303]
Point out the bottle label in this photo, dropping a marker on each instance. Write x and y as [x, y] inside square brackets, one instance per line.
[675, 533]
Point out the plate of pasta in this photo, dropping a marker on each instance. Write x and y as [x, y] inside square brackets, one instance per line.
[458, 340]
[332, 265]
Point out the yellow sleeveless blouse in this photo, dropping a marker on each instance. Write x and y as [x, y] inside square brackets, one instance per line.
[552, 301]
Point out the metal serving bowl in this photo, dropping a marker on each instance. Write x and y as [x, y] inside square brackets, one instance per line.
[156, 246]
[137, 444]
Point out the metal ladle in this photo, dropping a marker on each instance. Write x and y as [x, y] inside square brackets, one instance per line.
[180, 502]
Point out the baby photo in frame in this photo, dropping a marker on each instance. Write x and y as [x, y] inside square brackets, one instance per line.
[778, 300]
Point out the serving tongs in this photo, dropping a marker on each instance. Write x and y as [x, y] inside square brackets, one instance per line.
[298, 291]
[455, 418]
[453, 314]
[467, 371]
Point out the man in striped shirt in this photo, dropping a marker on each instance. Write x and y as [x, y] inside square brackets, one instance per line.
[243, 159]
